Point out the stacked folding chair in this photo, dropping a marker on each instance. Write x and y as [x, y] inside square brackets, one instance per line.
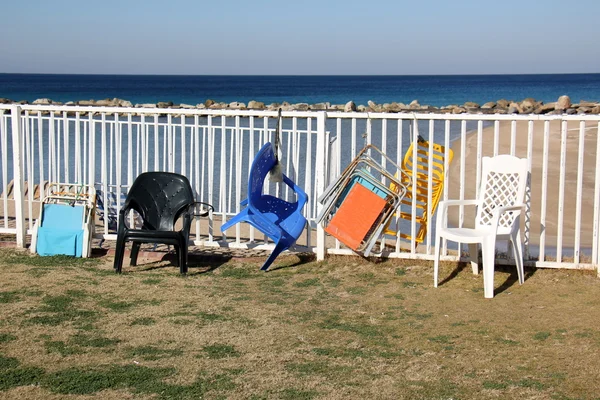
[66, 222]
[360, 203]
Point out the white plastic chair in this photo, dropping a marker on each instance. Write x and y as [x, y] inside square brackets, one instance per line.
[501, 196]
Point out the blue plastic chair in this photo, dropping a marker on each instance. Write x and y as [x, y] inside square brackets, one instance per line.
[280, 220]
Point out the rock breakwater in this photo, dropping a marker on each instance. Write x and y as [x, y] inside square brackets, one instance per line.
[563, 105]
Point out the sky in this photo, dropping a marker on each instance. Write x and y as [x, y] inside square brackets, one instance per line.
[309, 37]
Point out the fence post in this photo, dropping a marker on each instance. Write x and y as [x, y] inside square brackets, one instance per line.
[18, 184]
[320, 171]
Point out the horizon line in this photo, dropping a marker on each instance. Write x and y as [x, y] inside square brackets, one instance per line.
[297, 75]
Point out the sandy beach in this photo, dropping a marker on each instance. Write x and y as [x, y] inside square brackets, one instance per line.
[552, 193]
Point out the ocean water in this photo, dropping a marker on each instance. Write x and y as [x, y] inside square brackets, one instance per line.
[438, 90]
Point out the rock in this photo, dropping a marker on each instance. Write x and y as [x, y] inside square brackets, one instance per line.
[563, 102]
[200, 106]
[164, 104]
[595, 110]
[584, 103]
[86, 103]
[186, 106]
[320, 106]
[122, 103]
[43, 102]
[489, 105]
[502, 103]
[283, 106]
[458, 110]
[545, 108]
[528, 105]
[584, 110]
[5, 101]
[571, 111]
[350, 106]
[236, 106]
[105, 103]
[470, 104]
[209, 103]
[374, 106]
[146, 105]
[361, 108]
[514, 108]
[301, 107]
[393, 107]
[414, 105]
[488, 111]
[218, 106]
[256, 105]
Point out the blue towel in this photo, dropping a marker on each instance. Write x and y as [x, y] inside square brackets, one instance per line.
[60, 231]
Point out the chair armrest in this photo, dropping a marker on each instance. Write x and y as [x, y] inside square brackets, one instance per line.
[469, 202]
[302, 196]
[498, 211]
[203, 210]
[442, 217]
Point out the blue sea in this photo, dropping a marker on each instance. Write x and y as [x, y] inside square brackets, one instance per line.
[435, 90]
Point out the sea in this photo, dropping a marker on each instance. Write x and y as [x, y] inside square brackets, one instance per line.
[434, 90]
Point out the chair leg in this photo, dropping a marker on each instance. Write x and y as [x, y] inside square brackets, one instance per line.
[279, 247]
[182, 259]
[488, 252]
[474, 256]
[135, 250]
[119, 254]
[518, 253]
[436, 261]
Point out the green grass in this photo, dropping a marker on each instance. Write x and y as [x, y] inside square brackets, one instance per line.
[22, 258]
[145, 321]
[7, 337]
[218, 351]
[541, 335]
[345, 328]
[150, 353]
[9, 297]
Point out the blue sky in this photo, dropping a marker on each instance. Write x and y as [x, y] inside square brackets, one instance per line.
[304, 37]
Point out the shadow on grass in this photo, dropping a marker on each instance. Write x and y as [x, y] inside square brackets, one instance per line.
[512, 279]
[197, 263]
[303, 258]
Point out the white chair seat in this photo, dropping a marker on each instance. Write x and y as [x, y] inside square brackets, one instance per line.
[466, 235]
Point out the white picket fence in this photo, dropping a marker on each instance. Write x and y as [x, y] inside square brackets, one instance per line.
[109, 147]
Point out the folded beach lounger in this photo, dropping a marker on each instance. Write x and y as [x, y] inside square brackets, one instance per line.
[66, 222]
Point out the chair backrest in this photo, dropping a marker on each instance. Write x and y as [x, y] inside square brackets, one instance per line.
[438, 155]
[160, 198]
[63, 216]
[503, 183]
[420, 191]
[263, 162]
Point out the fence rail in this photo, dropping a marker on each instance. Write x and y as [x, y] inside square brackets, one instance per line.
[109, 147]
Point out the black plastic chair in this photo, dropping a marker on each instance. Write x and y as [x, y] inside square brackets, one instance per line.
[160, 198]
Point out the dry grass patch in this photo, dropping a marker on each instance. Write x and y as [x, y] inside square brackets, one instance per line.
[343, 328]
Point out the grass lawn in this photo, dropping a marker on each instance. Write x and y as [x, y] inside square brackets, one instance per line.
[345, 328]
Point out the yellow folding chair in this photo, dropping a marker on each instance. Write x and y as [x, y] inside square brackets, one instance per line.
[418, 189]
